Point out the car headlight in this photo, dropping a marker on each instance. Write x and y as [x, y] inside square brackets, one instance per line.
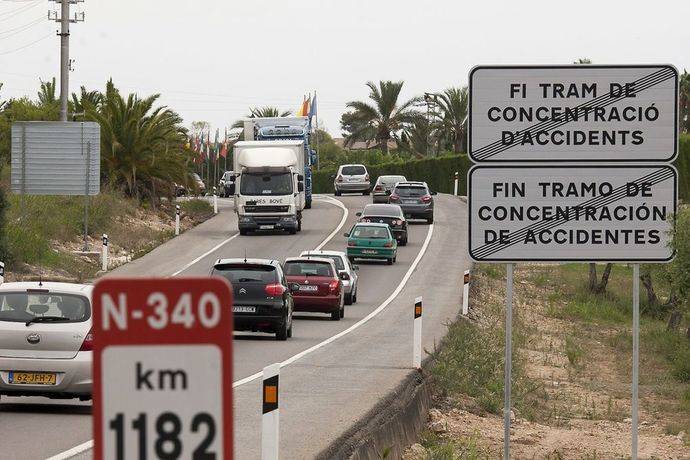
[245, 219]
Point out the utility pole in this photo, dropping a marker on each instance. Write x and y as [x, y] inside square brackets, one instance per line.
[64, 20]
[429, 99]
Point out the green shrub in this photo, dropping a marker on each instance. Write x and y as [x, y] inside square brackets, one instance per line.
[683, 166]
[196, 208]
[438, 172]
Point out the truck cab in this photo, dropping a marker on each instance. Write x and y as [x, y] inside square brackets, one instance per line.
[269, 185]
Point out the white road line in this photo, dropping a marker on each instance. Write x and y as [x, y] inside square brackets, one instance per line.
[89, 444]
[359, 323]
[73, 451]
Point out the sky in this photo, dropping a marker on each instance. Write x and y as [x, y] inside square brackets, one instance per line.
[213, 59]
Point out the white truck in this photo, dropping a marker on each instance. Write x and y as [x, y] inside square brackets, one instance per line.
[269, 185]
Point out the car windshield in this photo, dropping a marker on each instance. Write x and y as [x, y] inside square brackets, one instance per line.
[353, 171]
[386, 210]
[26, 306]
[391, 180]
[368, 231]
[411, 191]
[336, 259]
[242, 273]
[308, 269]
[266, 184]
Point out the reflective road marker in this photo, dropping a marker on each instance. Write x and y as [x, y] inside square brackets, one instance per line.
[270, 418]
[417, 344]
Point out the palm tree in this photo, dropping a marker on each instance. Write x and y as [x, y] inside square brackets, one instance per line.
[142, 146]
[46, 96]
[419, 136]
[685, 102]
[383, 120]
[86, 98]
[582, 61]
[452, 105]
[263, 112]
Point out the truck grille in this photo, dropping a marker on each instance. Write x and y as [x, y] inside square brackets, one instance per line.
[258, 209]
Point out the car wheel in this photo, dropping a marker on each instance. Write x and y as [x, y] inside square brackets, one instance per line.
[243, 231]
[282, 333]
[299, 225]
[342, 310]
[348, 299]
[335, 316]
[337, 193]
[354, 297]
[365, 193]
[289, 332]
[430, 220]
[403, 242]
[351, 259]
[389, 261]
[292, 231]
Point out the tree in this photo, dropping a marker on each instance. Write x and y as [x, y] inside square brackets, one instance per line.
[383, 120]
[684, 100]
[419, 136]
[263, 112]
[46, 96]
[452, 104]
[86, 98]
[583, 61]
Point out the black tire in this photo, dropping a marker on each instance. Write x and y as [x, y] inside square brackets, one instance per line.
[335, 315]
[403, 242]
[307, 204]
[290, 330]
[349, 299]
[430, 220]
[365, 193]
[299, 225]
[283, 332]
[243, 231]
[292, 231]
[389, 261]
[337, 193]
[395, 259]
[351, 259]
[354, 297]
[342, 311]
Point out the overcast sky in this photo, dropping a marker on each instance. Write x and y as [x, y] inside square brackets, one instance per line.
[212, 59]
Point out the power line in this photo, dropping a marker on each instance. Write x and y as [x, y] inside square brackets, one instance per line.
[19, 10]
[26, 46]
[12, 32]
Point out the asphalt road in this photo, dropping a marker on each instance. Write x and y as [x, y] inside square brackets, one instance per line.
[350, 374]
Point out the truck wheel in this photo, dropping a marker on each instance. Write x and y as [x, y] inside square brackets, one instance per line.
[299, 225]
[351, 259]
[307, 204]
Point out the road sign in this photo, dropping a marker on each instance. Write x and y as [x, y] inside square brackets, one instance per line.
[56, 158]
[608, 213]
[573, 113]
[162, 368]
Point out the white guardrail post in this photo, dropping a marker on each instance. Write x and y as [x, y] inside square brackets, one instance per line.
[177, 220]
[417, 344]
[215, 201]
[270, 418]
[104, 253]
[2, 272]
[466, 293]
[455, 188]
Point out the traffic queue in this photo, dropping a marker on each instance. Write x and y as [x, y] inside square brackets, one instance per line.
[46, 337]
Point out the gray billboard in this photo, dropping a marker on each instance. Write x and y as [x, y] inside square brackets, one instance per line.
[56, 158]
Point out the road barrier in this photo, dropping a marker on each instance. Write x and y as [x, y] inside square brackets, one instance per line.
[466, 293]
[177, 220]
[2, 272]
[417, 340]
[215, 201]
[270, 420]
[455, 186]
[104, 253]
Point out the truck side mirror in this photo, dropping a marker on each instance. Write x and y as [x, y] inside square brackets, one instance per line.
[300, 186]
[300, 177]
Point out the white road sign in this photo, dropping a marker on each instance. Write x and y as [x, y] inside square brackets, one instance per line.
[573, 113]
[571, 213]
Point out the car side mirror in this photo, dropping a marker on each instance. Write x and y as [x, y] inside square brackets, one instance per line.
[344, 276]
[300, 186]
[346, 235]
[359, 214]
[434, 193]
[332, 176]
[355, 268]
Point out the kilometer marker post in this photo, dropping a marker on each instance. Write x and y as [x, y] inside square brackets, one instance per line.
[270, 418]
[466, 293]
[215, 201]
[417, 338]
[2, 272]
[177, 220]
[455, 188]
[104, 253]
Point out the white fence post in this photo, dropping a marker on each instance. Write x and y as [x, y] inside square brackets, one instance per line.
[215, 201]
[177, 220]
[466, 293]
[270, 419]
[455, 188]
[104, 253]
[2, 272]
[417, 344]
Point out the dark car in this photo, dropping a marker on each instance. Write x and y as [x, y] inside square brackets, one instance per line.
[316, 285]
[415, 199]
[227, 184]
[262, 299]
[390, 214]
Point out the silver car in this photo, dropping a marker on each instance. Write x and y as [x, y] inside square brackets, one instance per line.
[383, 187]
[344, 267]
[45, 340]
[351, 179]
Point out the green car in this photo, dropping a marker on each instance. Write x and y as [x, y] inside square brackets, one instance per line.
[371, 241]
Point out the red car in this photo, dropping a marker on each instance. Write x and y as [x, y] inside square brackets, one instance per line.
[315, 286]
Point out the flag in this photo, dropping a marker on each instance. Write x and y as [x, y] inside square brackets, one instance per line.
[216, 146]
[312, 109]
[224, 147]
[304, 110]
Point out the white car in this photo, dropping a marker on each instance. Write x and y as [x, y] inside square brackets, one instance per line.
[343, 265]
[45, 340]
[350, 179]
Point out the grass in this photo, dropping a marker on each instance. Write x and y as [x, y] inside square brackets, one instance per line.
[438, 448]
[573, 351]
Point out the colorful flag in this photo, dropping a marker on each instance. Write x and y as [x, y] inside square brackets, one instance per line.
[224, 147]
[312, 110]
[304, 110]
[216, 146]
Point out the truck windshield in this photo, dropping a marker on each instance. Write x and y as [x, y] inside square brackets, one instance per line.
[266, 184]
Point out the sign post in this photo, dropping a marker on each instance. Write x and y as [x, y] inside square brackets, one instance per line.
[590, 176]
[417, 334]
[162, 368]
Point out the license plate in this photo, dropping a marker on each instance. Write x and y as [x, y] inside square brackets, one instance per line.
[308, 288]
[410, 201]
[266, 227]
[369, 251]
[243, 309]
[32, 378]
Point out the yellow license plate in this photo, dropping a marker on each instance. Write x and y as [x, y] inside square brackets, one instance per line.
[32, 378]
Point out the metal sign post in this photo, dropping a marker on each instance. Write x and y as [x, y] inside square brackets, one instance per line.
[636, 356]
[508, 361]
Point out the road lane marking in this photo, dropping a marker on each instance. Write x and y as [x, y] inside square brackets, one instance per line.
[359, 323]
[73, 451]
[89, 444]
